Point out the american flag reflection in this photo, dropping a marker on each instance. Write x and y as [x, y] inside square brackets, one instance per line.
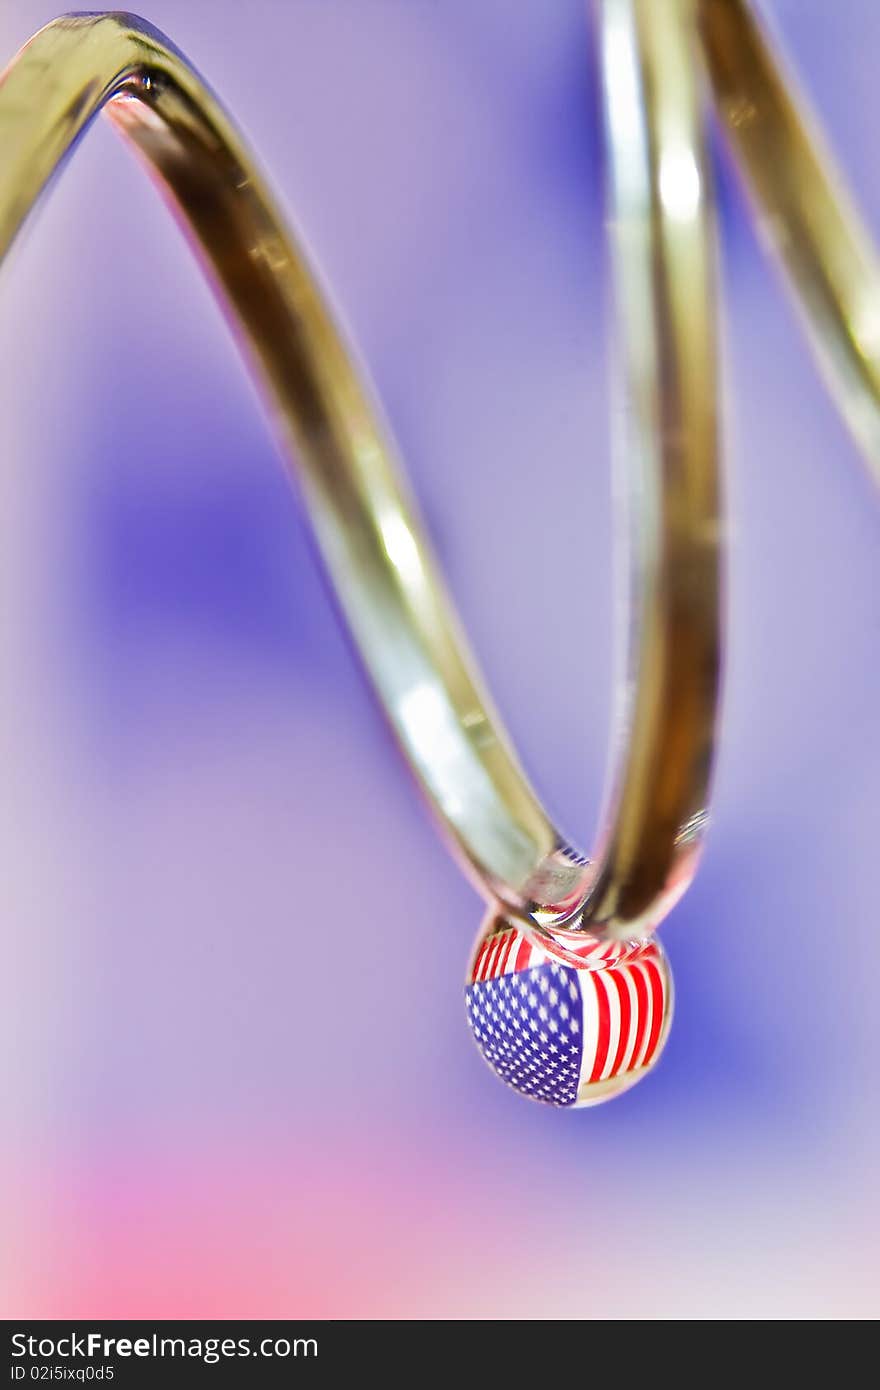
[570, 1023]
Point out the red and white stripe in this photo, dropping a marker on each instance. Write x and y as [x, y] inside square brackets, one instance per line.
[509, 950]
[624, 1002]
[625, 1010]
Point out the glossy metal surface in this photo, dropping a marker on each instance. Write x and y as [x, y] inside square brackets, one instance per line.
[667, 469]
[805, 211]
[368, 530]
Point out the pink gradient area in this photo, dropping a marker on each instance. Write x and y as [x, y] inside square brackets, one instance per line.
[275, 1231]
[231, 1232]
[265, 1231]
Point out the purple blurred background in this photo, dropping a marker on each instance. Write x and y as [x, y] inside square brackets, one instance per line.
[224, 1099]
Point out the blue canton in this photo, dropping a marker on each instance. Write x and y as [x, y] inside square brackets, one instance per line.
[529, 1027]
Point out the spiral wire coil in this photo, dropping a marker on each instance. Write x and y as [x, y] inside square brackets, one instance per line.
[567, 933]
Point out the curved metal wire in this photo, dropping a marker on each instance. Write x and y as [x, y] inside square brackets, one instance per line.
[804, 210]
[367, 527]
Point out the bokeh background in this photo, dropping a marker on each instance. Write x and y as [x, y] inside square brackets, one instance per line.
[237, 1077]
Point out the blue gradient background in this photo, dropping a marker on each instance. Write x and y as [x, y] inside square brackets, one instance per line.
[238, 1079]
